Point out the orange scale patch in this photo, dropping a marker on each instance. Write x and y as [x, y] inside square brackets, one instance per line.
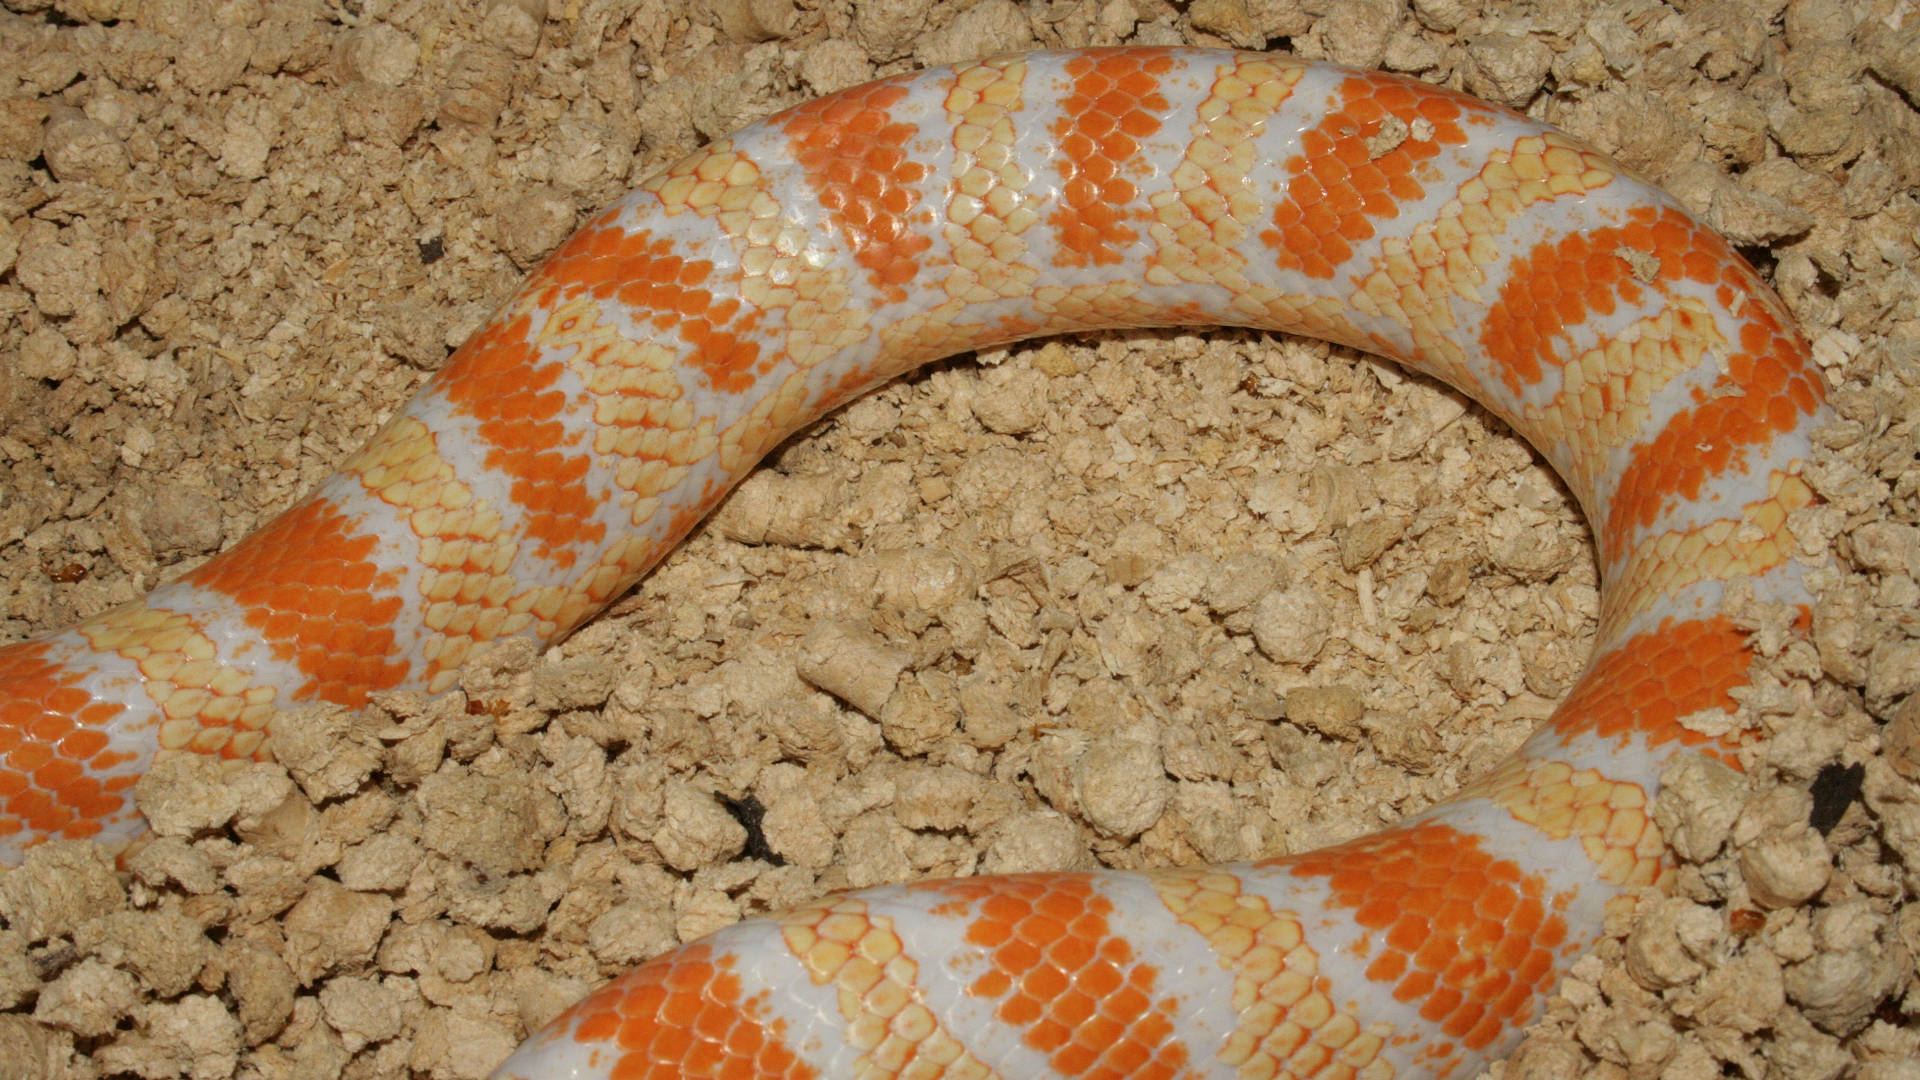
[730, 361]
[91, 799]
[1290, 1024]
[1644, 687]
[580, 263]
[876, 978]
[1356, 166]
[29, 757]
[83, 744]
[1044, 990]
[50, 726]
[684, 1014]
[854, 155]
[647, 274]
[1714, 436]
[1555, 286]
[308, 583]
[499, 380]
[57, 773]
[37, 811]
[1115, 101]
[43, 744]
[1768, 385]
[69, 699]
[1430, 944]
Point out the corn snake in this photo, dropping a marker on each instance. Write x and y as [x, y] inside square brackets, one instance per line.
[788, 268]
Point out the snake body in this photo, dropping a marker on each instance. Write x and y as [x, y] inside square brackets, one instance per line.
[686, 330]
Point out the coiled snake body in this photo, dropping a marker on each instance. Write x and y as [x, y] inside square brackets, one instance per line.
[652, 360]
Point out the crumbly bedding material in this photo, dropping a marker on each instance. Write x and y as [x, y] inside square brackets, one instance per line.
[1130, 600]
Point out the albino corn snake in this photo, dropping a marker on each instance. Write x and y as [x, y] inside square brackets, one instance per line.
[773, 275]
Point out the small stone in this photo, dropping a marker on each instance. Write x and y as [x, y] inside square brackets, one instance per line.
[631, 933]
[1015, 406]
[853, 664]
[263, 988]
[921, 714]
[1698, 802]
[378, 53]
[1356, 32]
[1229, 19]
[58, 886]
[1508, 69]
[696, 829]
[164, 949]
[88, 999]
[938, 798]
[1122, 786]
[362, 1010]
[756, 20]
[583, 683]
[452, 1045]
[514, 27]
[478, 83]
[1784, 868]
[1665, 940]
[22, 127]
[492, 823]
[46, 354]
[1036, 841]
[213, 58]
[1332, 711]
[1292, 626]
[78, 148]
[1369, 538]
[334, 928]
[532, 225]
[1841, 991]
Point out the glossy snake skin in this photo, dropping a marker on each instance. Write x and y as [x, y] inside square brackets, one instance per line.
[640, 372]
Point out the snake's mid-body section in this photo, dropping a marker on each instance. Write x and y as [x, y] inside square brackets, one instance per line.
[647, 365]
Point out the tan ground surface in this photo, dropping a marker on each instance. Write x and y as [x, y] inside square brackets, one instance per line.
[231, 244]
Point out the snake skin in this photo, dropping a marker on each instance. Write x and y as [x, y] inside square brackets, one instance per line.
[771, 276]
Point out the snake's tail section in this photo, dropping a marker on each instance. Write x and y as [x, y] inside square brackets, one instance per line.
[685, 331]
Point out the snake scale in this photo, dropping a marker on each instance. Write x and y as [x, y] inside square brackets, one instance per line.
[639, 373]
